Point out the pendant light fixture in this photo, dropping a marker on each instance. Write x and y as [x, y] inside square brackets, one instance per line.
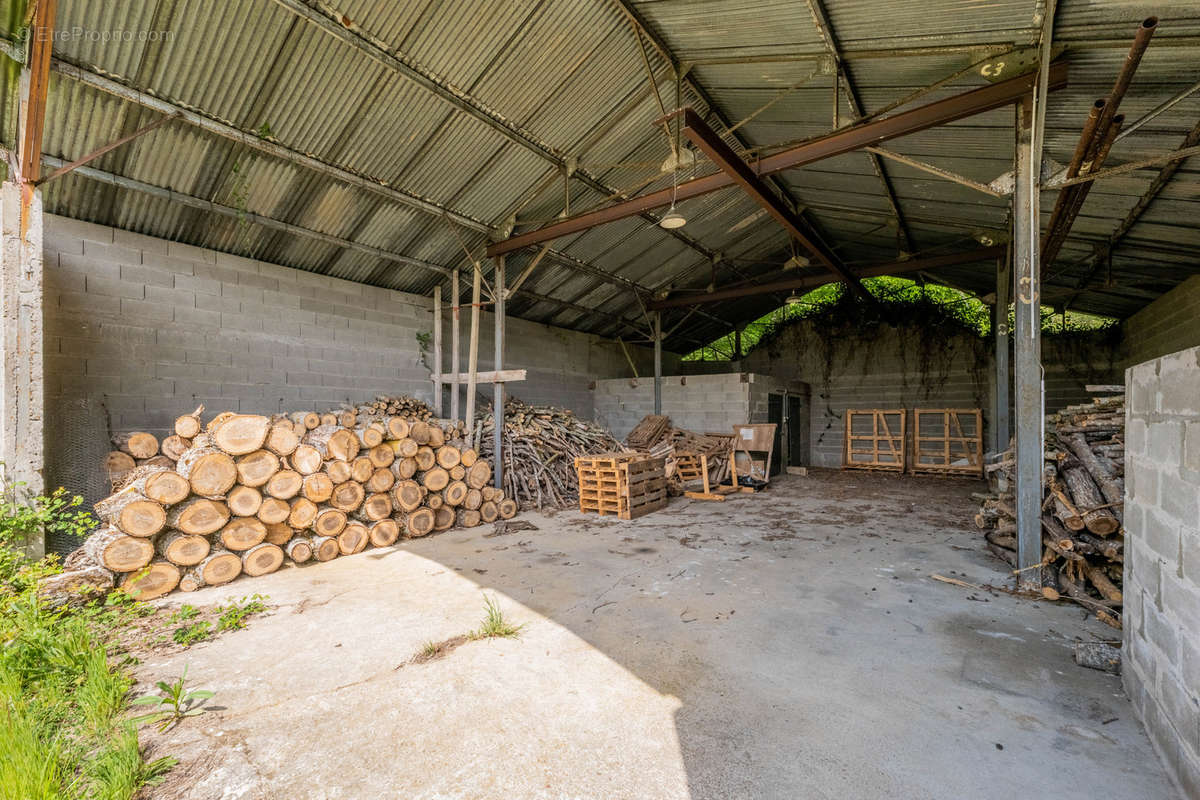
[673, 219]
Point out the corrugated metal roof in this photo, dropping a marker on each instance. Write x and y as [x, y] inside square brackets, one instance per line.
[542, 81]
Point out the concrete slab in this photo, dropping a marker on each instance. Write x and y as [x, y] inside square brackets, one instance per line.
[789, 644]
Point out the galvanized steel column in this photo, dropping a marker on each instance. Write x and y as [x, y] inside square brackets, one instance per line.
[1027, 342]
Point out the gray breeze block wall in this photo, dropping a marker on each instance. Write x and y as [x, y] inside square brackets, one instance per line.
[1161, 668]
[695, 402]
[561, 365]
[1169, 324]
[900, 368]
[140, 330]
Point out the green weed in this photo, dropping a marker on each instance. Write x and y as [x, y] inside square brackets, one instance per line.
[185, 613]
[174, 703]
[233, 616]
[188, 635]
[494, 624]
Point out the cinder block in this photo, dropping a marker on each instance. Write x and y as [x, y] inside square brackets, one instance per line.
[197, 317]
[1163, 634]
[179, 298]
[225, 305]
[1165, 443]
[78, 229]
[217, 273]
[149, 275]
[189, 252]
[192, 283]
[139, 241]
[1179, 498]
[239, 263]
[97, 285]
[144, 311]
[100, 251]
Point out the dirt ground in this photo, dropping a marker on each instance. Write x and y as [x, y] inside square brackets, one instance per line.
[790, 644]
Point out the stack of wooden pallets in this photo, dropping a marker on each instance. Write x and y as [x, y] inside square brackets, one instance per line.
[626, 484]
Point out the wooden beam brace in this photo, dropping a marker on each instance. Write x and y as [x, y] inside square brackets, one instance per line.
[501, 376]
[743, 175]
[839, 142]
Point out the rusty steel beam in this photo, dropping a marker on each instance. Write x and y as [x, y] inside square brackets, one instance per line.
[915, 264]
[732, 165]
[92, 156]
[33, 111]
[845, 140]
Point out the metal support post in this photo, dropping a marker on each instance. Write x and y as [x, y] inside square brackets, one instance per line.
[1002, 423]
[1028, 393]
[658, 362]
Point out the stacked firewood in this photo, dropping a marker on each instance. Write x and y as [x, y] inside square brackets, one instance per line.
[1083, 490]
[540, 445]
[244, 492]
[655, 435]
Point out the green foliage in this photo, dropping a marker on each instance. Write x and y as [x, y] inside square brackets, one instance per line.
[900, 299]
[233, 616]
[185, 613]
[494, 624]
[23, 517]
[188, 635]
[431, 649]
[174, 703]
[265, 131]
[62, 702]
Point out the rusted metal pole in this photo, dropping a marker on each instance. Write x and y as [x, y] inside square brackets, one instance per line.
[92, 156]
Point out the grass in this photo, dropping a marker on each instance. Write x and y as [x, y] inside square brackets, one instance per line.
[63, 728]
[494, 625]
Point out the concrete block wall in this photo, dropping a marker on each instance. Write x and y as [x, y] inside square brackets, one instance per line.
[1167, 325]
[139, 330]
[1161, 668]
[695, 402]
[887, 370]
[155, 328]
[561, 365]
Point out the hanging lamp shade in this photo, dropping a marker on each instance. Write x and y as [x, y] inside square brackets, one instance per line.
[672, 219]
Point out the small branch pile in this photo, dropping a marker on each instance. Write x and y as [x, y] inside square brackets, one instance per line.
[540, 446]
[1083, 490]
[245, 491]
[655, 435]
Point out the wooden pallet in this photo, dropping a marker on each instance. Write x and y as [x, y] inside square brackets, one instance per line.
[948, 441]
[688, 466]
[875, 439]
[629, 485]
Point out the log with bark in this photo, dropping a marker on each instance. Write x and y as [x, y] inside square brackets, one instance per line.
[245, 491]
[1083, 490]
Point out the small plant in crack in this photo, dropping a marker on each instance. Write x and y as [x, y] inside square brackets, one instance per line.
[494, 625]
[174, 703]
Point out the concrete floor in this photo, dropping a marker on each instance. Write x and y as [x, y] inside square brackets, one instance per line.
[785, 645]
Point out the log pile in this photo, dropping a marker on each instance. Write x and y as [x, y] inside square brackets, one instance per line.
[244, 493]
[656, 436]
[540, 446]
[1083, 490]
